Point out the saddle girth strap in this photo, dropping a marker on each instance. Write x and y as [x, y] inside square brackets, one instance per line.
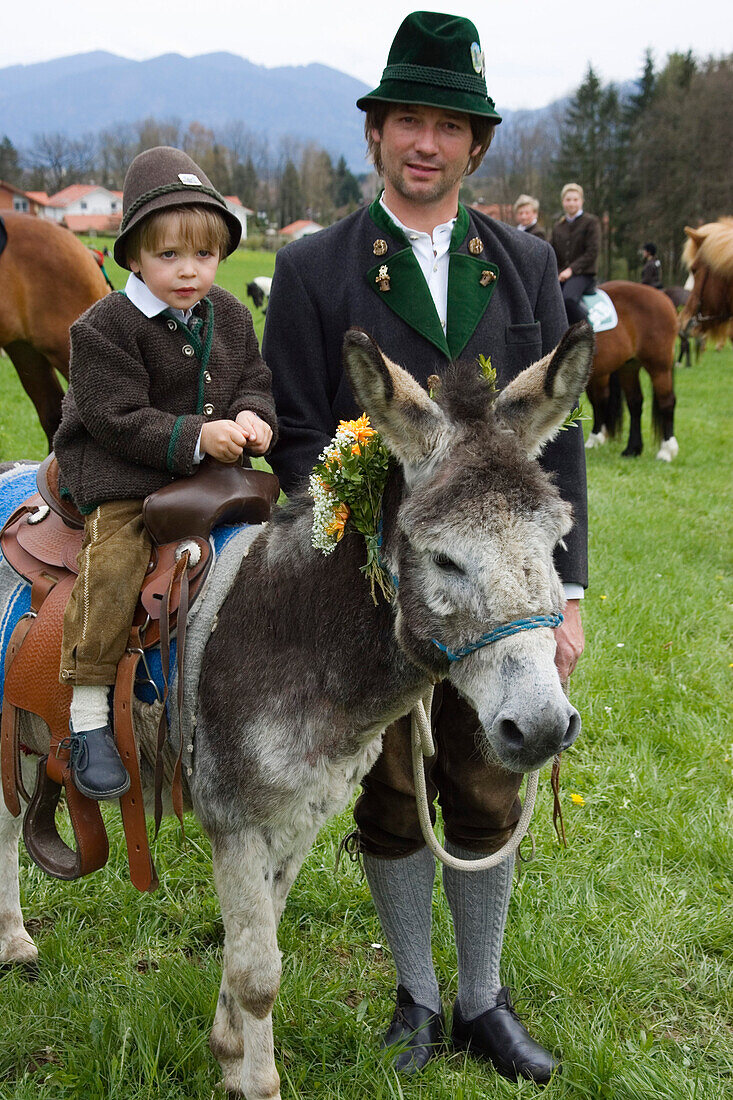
[142, 869]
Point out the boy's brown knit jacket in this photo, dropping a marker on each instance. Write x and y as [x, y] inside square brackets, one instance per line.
[139, 395]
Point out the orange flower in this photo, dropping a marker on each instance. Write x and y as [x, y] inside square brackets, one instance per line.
[338, 523]
[356, 449]
[359, 427]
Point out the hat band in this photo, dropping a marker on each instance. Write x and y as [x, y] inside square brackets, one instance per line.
[443, 78]
[166, 189]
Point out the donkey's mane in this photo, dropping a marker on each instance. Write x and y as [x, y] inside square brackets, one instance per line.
[716, 248]
[464, 392]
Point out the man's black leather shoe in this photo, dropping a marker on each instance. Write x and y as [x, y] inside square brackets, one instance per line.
[96, 767]
[418, 1030]
[500, 1036]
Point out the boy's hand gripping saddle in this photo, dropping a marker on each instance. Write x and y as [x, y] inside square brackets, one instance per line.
[41, 541]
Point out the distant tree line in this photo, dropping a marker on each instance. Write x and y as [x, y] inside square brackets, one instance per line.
[285, 182]
[650, 162]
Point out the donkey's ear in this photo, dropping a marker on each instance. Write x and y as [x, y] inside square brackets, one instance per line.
[409, 422]
[539, 399]
[694, 235]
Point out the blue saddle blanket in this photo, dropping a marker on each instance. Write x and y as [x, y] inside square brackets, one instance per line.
[16, 485]
[601, 310]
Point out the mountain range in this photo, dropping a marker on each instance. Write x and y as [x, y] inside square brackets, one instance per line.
[88, 92]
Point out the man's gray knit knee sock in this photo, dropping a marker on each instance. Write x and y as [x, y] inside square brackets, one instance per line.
[402, 890]
[479, 901]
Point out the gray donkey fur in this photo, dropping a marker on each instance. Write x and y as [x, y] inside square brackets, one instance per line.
[303, 671]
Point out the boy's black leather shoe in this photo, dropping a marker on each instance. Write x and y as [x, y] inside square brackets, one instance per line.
[96, 767]
[500, 1036]
[418, 1030]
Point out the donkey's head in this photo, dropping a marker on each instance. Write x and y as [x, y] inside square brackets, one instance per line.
[472, 540]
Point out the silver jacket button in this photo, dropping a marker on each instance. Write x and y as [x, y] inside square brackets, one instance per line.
[187, 350]
[172, 326]
[208, 409]
[207, 376]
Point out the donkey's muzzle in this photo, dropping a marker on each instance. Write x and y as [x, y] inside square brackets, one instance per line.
[527, 742]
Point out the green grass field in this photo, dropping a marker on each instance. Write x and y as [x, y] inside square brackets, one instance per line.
[619, 948]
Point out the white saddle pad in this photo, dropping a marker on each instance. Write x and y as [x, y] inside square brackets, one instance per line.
[601, 310]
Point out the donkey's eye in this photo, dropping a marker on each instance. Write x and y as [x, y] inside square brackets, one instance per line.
[446, 564]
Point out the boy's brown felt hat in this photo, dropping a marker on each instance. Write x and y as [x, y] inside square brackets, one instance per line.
[162, 178]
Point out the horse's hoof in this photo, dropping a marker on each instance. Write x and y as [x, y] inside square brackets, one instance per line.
[631, 452]
[596, 439]
[669, 450]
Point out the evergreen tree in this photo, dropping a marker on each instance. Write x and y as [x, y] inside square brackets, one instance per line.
[291, 197]
[10, 170]
[346, 189]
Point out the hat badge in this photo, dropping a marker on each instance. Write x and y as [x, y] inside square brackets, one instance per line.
[190, 179]
[478, 59]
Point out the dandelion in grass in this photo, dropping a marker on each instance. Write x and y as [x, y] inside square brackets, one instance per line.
[637, 833]
[577, 799]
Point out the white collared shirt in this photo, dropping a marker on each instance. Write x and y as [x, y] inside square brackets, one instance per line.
[524, 228]
[574, 217]
[143, 299]
[433, 255]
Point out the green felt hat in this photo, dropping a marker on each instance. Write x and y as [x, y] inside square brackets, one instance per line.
[436, 61]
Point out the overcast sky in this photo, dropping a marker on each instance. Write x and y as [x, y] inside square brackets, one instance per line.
[536, 50]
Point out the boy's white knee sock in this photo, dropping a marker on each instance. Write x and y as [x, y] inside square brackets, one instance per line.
[89, 708]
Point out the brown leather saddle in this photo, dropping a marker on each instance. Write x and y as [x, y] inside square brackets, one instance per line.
[41, 541]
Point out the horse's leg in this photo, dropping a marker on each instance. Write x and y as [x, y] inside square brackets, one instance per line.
[629, 378]
[598, 391]
[16, 946]
[663, 410]
[241, 1038]
[40, 382]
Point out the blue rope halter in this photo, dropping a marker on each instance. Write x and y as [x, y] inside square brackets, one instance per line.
[499, 632]
[491, 636]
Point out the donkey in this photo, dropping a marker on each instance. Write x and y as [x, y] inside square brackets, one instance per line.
[285, 726]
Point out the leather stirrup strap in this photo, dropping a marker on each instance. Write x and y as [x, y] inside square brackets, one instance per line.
[142, 869]
[176, 789]
[45, 846]
[165, 653]
[12, 776]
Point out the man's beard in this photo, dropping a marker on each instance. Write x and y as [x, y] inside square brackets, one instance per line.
[418, 193]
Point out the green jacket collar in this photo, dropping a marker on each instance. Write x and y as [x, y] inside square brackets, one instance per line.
[409, 296]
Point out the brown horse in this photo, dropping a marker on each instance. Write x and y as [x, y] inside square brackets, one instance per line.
[708, 254]
[644, 337]
[47, 279]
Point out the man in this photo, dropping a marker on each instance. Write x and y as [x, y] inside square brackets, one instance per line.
[651, 273]
[526, 210]
[576, 239]
[430, 281]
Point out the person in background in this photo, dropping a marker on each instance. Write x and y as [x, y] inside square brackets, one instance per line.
[526, 210]
[651, 273]
[576, 239]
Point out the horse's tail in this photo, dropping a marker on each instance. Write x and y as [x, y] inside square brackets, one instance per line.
[615, 407]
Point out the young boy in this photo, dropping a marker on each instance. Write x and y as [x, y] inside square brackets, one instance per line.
[162, 374]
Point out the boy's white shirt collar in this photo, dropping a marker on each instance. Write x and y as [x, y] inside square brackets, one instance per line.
[143, 299]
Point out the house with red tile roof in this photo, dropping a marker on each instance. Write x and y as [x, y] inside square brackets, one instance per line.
[300, 228]
[240, 211]
[12, 198]
[86, 208]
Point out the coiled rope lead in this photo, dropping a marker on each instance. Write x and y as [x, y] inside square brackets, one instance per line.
[422, 746]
